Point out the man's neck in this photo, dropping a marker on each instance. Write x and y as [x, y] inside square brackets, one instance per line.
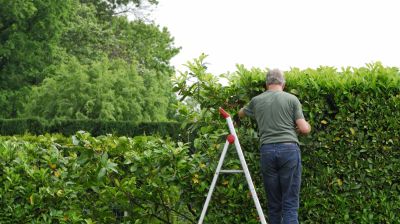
[275, 87]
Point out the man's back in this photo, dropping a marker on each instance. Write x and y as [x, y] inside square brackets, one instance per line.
[276, 113]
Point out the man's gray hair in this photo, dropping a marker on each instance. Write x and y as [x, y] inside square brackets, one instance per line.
[275, 76]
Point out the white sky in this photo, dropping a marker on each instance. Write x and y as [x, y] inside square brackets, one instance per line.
[283, 33]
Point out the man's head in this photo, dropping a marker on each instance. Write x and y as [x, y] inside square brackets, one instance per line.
[275, 78]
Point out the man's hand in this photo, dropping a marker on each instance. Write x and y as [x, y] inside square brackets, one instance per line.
[236, 120]
[241, 113]
[303, 127]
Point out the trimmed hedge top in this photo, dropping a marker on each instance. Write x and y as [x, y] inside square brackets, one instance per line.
[95, 127]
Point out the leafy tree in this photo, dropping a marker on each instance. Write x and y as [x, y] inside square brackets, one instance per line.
[90, 39]
[29, 43]
[45, 39]
[85, 36]
[11, 102]
[29, 36]
[135, 42]
[145, 43]
[107, 89]
[107, 8]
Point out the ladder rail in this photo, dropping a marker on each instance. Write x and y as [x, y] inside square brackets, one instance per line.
[213, 183]
[232, 139]
[246, 172]
[231, 171]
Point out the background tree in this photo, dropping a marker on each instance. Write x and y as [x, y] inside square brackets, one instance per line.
[45, 40]
[108, 8]
[29, 39]
[29, 42]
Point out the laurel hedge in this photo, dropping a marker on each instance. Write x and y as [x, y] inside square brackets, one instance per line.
[351, 161]
[85, 179]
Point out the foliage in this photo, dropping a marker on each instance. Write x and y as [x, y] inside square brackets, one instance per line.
[29, 43]
[107, 8]
[173, 130]
[30, 32]
[50, 179]
[12, 102]
[107, 90]
[22, 126]
[89, 38]
[148, 44]
[350, 161]
[62, 43]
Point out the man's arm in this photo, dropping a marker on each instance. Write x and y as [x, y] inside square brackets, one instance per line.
[303, 126]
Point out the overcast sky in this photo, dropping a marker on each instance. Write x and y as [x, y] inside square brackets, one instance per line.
[283, 33]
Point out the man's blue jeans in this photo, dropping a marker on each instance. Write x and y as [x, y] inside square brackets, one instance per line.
[281, 171]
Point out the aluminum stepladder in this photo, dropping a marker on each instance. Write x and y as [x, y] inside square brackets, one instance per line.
[232, 139]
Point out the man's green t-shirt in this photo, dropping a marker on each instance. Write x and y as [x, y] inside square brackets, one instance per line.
[276, 113]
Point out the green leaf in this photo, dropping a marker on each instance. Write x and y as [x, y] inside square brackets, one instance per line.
[75, 140]
[101, 173]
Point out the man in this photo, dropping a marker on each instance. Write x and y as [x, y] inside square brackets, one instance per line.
[279, 116]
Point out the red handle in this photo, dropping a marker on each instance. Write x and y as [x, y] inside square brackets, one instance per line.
[223, 113]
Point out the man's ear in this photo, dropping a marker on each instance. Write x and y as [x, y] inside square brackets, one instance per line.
[283, 86]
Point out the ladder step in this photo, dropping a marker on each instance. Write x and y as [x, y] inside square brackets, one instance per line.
[231, 171]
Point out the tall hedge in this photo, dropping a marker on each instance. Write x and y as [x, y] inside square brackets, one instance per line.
[351, 160]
